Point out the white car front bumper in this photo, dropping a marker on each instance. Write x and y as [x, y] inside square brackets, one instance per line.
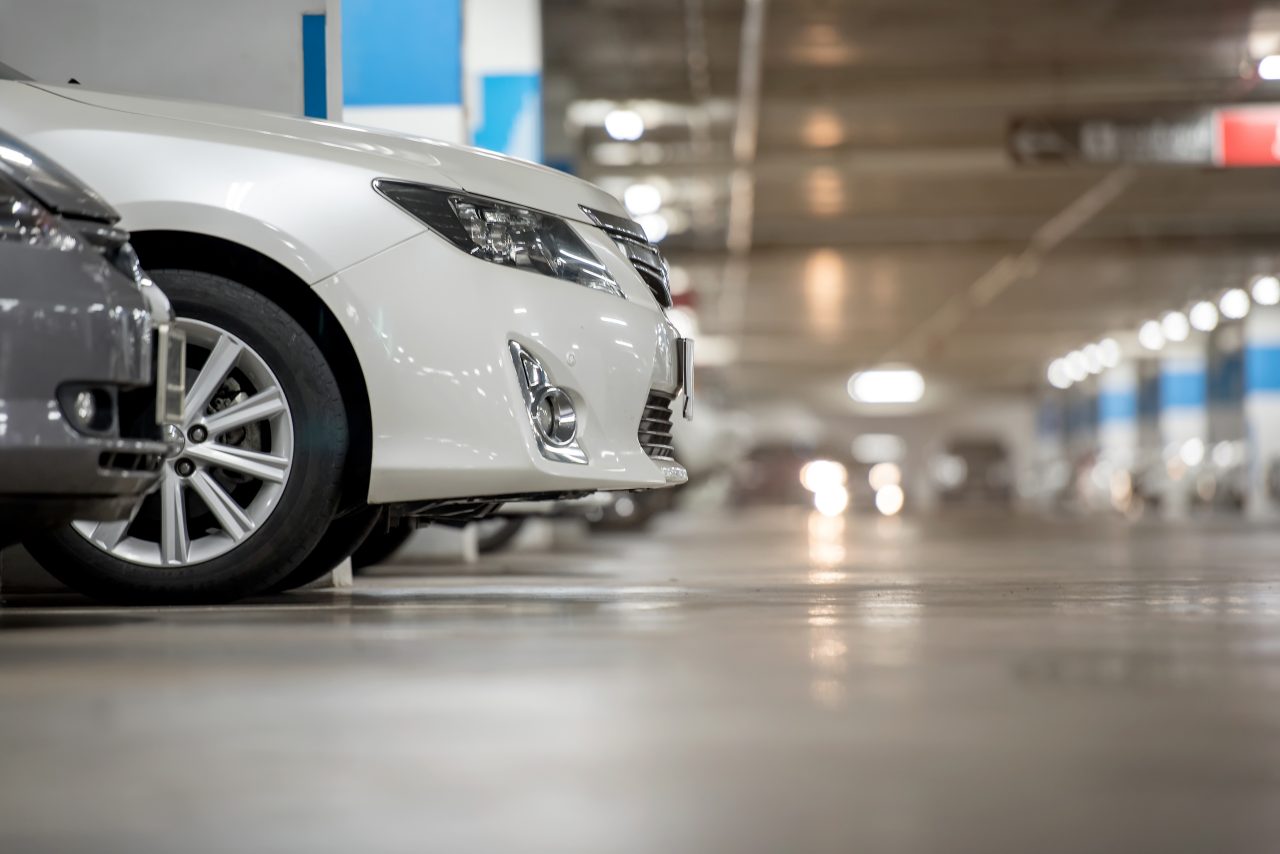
[432, 328]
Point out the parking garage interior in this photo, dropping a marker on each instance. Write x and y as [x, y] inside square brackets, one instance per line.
[979, 549]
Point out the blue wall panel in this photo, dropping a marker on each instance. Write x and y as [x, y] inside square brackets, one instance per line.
[401, 52]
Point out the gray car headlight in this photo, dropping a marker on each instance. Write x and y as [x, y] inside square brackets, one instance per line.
[24, 220]
[504, 234]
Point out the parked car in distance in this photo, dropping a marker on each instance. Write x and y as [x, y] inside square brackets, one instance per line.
[78, 323]
[378, 326]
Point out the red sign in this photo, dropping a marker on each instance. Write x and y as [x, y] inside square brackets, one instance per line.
[1248, 136]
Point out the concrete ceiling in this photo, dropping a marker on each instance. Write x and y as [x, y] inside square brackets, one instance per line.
[884, 199]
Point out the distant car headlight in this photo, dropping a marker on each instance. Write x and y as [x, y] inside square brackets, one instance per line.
[24, 220]
[504, 234]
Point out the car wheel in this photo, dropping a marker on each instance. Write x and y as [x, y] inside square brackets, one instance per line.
[254, 472]
[346, 534]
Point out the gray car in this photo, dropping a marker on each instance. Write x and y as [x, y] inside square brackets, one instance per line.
[81, 327]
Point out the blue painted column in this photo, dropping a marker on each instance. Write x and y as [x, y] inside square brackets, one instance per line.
[402, 66]
[1262, 409]
[1184, 422]
[502, 61]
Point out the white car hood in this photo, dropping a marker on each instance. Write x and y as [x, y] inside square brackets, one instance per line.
[478, 171]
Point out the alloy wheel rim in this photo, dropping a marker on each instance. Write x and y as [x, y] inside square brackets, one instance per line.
[228, 464]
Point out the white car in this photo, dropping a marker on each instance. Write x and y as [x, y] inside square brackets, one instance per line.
[378, 327]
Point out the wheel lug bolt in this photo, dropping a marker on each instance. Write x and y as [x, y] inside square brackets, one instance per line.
[186, 468]
[198, 434]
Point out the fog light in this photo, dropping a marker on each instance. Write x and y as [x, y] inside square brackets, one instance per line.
[555, 418]
[88, 410]
[551, 411]
[83, 409]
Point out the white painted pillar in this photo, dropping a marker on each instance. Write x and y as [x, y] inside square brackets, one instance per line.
[502, 66]
[1262, 409]
[1118, 415]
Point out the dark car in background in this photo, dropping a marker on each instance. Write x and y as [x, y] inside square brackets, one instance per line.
[88, 363]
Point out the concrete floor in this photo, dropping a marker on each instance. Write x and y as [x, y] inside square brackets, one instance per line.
[762, 684]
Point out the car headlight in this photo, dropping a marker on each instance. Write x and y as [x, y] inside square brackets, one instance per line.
[504, 234]
[24, 220]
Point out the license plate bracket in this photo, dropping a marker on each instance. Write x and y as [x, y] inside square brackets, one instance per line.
[171, 375]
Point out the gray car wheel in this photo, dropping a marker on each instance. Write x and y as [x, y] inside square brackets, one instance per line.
[253, 474]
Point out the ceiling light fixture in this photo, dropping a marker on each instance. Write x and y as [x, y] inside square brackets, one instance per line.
[1234, 304]
[655, 225]
[1093, 358]
[1151, 335]
[624, 125]
[1175, 326]
[887, 385]
[1203, 316]
[642, 199]
[1266, 290]
[1077, 366]
[1058, 376]
[1110, 350]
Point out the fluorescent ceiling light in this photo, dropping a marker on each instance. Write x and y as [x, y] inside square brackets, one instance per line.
[887, 385]
[1234, 304]
[1204, 316]
[1058, 375]
[1151, 335]
[1077, 366]
[642, 199]
[655, 225]
[1109, 348]
[1266, 290]
[1175, 326]
[624, 125]
[1093, 358]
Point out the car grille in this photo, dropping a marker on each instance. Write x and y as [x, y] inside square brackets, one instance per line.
[642, 254]
[655, 427]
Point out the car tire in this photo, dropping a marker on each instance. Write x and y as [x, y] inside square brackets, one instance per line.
[282, 481]
[346, 534]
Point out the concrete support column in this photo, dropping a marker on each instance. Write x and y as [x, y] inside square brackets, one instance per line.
[502, 60]
[402, 66]
[1184, 422]
[1118, 415]
[1262, 409]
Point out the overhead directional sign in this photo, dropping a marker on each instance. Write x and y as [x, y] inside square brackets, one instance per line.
[1230, 137]
[1187, 139]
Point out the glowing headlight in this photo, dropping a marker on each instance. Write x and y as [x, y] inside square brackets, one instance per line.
[504, 234]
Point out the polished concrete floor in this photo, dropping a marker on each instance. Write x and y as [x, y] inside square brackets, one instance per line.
[765, 683]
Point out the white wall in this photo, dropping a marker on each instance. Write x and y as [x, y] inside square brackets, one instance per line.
[243, 52]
